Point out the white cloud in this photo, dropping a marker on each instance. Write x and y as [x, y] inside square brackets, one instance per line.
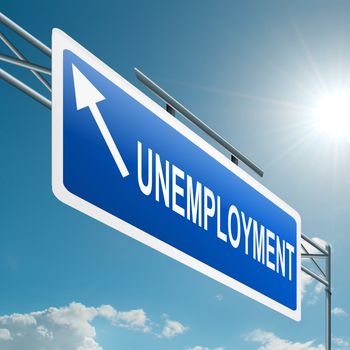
[310, 248]
[314, 294]
[44, 332]
[134, 319]
[343, 343]
[20, 319]
[306, 281]
[270, 341]
[199, 347]
[70, 327]
[66, 328]
[173, 328]
[338, 311]
[5, 334]
[310, 289]
[320, 242]
[319, 288]
[107, 311]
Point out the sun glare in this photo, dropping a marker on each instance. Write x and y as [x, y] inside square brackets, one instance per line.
[332, 114]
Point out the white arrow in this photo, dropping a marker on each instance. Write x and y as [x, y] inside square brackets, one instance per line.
[87, 95]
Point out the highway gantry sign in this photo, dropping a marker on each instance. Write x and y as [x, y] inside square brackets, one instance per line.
[124, 160]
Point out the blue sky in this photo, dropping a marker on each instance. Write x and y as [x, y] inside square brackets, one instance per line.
[253, 71]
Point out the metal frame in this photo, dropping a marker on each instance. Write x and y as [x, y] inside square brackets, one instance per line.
[25, 88]
[20, 60]
[172, 106]
[323, 276]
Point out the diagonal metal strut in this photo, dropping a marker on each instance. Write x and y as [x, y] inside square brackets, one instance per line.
[314, 261]
[24, 34]
[24, 88]
[25, 64]
[13, 48]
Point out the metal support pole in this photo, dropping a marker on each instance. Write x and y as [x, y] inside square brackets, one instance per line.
[195, 120]
[24, 34]
[315, 276]
[25, 88]
[328, 291]
[314, 261]
[314, 244]
[25, 64]
[14, 49]
[309, 256]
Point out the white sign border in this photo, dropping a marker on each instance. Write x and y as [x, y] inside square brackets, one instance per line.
[60, 42]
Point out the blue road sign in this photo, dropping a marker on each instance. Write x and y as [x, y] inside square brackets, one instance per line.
[122, 159]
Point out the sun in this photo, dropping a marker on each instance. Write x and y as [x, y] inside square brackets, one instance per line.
[332, 114]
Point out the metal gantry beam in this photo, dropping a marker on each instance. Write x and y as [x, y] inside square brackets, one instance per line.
[314, 261]
[19, 54]
[24, 34]
[313, 243]
[177, 106]
[312, 255]
[314, 275]
[24, 88]
[25, 64]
